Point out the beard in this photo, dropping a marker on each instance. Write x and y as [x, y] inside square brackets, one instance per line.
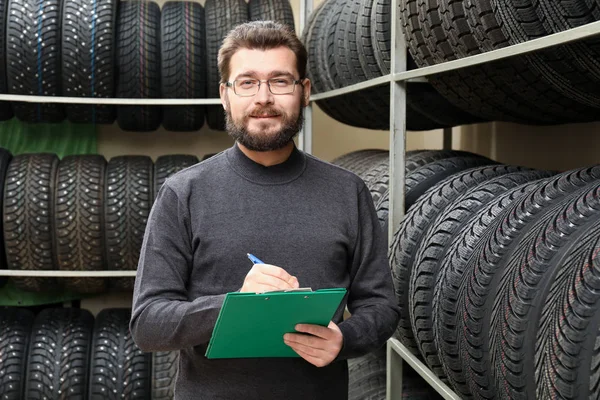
[290, 126]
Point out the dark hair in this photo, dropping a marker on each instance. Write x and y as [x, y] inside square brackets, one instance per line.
[262, 35]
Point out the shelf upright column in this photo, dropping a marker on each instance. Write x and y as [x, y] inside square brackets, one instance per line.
[305, 136]
[397, 165]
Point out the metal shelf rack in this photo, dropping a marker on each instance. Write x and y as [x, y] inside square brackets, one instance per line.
[396, 352]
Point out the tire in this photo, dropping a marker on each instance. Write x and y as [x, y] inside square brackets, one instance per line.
[381, 34]
[6, 112]
[427, 176]
[165, 166]
[367, 376]
[138, 64]
[449, 277]
[29, 224]
[117, 366]
[33, 57]
[79, 220]
[58, 362]
[521, 22]
[272, 10]
[527, 274]
[365, 42]
[164, 373]
[567, 346]
[409, 235]
[221, 17]
[428, 156]
[481, 274]
[88, 57]
[183, 64]
[434, 247]
[5, 158]
[15, 331]
[128, 200]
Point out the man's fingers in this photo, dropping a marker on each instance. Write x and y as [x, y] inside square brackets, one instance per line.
[316, 330]
[268, 270]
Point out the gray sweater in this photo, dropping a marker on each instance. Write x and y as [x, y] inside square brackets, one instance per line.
[315, 220]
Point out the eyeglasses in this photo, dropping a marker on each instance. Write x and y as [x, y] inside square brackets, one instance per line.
[249, 87]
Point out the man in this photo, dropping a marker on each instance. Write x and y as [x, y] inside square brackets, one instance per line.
[312, 222]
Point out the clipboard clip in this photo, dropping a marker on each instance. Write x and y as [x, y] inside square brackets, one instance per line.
[287, 290]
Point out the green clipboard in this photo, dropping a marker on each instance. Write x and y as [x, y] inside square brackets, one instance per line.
[253, 324]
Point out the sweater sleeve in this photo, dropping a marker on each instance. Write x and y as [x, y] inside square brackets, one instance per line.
[371, 298]
[163, 318]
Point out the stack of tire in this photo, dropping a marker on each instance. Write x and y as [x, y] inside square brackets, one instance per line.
[128, 49]
[554, 86]
[78, 213]
[67, 353]
[349, 42]
[496, 273]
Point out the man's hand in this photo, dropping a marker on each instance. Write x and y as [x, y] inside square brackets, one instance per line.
[266, 277]
[320, 347]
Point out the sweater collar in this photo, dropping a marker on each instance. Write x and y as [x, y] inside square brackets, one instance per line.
[280, 173]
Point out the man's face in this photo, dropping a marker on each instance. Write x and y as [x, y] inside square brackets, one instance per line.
[265, 121]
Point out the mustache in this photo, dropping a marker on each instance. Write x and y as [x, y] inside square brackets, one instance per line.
[262, 111]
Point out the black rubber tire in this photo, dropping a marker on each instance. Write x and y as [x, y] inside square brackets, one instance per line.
[221, 17]
[88, 58]
[360, 160]
[365, 42]
[434, 247]
[527, 275]
[5, 158]
[272, 10]
[33, 57]
[480, 275]
[409, 235]
[164, 373]
[377, 179]
[29, 218]
[425, 157]
[128, 200]
[6, 112]
[381, 36]
[138, 64]
[367, 376]
[118, 368]
[521, 22]
[567, 362]
[427, 176]
[448, 280]
[79, 220]
[310, 39]
[382, 208]
[58, 361]
[15, 331]
[183, 63]
[165, 166]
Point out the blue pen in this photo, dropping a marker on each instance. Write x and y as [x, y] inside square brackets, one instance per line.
[254, 259]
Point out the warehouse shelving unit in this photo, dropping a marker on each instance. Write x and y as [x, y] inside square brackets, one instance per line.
[397, 354]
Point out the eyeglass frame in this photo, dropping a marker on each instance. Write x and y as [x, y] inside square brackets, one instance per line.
[231, 85]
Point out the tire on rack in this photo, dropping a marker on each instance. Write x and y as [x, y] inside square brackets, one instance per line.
[434, 247]
[165, 166]
[568, 360]
[29, 218]
[272, 10]
[58, 362]
[117, 365]
[449, 277]
[33, 57]
[367, 376]
[410, 233]
[5, 158]
[88, 57]
[6, 112]
[380, 33]
[520, 302]
[164, 373]
[15, 331]
[221, 17]
[128, 200]
[138, 64]
[480, 276]
[79, 220]
[183, 63]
